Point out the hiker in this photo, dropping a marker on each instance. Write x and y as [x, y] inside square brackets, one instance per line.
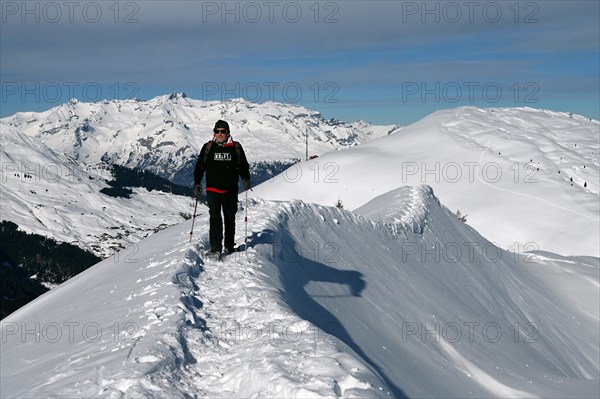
[223, 161]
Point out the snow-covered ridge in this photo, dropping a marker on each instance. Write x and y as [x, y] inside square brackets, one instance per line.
[444, 277]
[325, 303]
[527, 179]
[404, 210]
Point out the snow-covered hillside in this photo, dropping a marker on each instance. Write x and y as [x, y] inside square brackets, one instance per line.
[164, 135]
[52, 171]
[527, 179]
[48, 193]
[401, 301]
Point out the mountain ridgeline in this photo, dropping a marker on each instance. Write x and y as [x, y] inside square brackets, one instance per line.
[164, 135]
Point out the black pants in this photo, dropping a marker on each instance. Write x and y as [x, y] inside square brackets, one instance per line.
[228, 203]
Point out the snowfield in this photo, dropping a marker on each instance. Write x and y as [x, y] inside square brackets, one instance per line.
[397, 299]
[508, 169]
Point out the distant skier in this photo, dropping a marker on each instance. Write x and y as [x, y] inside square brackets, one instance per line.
[223, 161]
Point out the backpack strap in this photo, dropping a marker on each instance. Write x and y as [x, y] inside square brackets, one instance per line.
[208, 145]
[237, 151]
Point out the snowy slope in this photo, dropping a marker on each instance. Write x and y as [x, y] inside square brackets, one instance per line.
[509, 170]
[49, 193]
[404, 300]
[164, 324]
[61, 151]
[165, 134]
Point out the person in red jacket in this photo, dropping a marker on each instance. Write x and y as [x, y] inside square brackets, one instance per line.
[223, 162]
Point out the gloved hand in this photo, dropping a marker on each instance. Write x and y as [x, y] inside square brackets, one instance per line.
[198, 191]
[247, 184]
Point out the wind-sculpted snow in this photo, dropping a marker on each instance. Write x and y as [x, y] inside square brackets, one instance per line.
[440, 311]
[410, 210]
[323, 303]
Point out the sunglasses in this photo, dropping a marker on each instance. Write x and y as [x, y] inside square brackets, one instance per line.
[220, 131]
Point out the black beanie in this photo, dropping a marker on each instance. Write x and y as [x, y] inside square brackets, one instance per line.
[222, 125]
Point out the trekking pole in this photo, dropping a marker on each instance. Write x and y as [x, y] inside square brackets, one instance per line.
[193, 220]
[246, 221]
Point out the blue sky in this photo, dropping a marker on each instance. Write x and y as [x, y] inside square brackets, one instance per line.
[381, 61]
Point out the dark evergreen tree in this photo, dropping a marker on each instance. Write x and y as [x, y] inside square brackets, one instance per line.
[23, 256]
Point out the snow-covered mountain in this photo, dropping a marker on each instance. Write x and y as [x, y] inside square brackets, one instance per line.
[501, 167]
[164, 135]
[398, 299]
[53, 171]
[527, 179]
